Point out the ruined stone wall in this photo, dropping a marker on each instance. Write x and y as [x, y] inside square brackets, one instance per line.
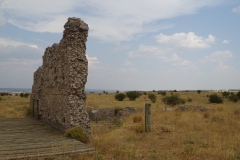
[58, 91]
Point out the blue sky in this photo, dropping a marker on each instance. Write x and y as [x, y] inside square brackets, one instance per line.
[132, 45]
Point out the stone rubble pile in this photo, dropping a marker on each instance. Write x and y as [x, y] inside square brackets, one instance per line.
[96, 114]
[191, 108]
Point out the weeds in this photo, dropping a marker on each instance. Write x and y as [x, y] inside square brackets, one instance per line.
[137, 119]
[78, 134]
[140, 129]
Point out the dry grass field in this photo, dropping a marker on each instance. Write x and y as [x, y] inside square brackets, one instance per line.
[210, 135]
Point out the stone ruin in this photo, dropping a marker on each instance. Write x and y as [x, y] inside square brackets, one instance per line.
[58, 95]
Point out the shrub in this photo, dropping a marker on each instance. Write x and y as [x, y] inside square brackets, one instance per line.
[152, 97]
[26, 95]
[175, 91]
[132, 95]
[145, 93]
[199, 91]
[189, 99]
[77, 133]
[29, 112]
[140, 129]
[225, 94]
[1, 98]
[153, 90]
[117, 91]
[21, 94]
[238, 94]
[173, 100]
[233, 98]
[137, 119]
[163, 93]
[4, 94]
[214, 98]
[120, 96]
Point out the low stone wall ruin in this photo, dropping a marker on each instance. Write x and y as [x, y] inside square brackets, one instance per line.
[96, 114]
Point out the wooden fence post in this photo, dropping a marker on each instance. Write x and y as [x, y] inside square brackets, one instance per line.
[147, 117]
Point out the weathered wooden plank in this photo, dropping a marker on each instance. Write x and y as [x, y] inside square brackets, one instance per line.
[29, 138]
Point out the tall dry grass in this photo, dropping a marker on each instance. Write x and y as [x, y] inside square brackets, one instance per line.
[14, 107]
[174, 135]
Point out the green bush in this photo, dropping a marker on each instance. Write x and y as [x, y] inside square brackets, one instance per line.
[4, 94]
[120, 96]
[173, 100]
[132, 95]
[199, 91]
[78, 134]
[233, 98]
[214, 98]
[189, 99]
[21, 94]
[163, 93]
[225, 94]
[26, 95]
[152, 97]
[238, 94]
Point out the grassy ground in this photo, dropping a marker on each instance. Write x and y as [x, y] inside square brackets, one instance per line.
[174, 135]
[13, 107]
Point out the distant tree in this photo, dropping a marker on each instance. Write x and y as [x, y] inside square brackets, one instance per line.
[233, 97]
[163, 93]
[21, 94]
[225, 94]
[132, 95]
[153, 90]
[117, 91]
[214, 98]
[199, 91]
[173, 100]
[104, 91]
[175, 91]
[145, 93]
[26, 95]
[120, 96]
[152, 97]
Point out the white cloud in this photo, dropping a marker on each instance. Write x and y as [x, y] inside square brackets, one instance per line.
[2, 19]
[107, 20]
[226, 41]
[217, 56]
[8, 42]
[186, 40]
[236, 9]
[91, 60]
[129, 71]
[127, 63]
